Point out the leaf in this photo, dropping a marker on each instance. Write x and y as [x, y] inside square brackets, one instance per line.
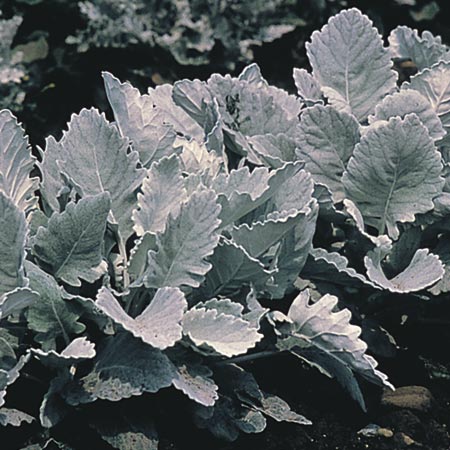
[350, 63]
[8, 377]
[328, 138]
[226, 334]
[405, 102]
[442, 250]
[193, 378]
[232, 269]
[53, 408]
[51, 317]
[424, 51]
[14, 417]
[71, 244]
[276, 408]
[293, 253]
[189, 238]
[16, 164]
[329, 337]
[139, 120]
[332, 267]
[259, 237]
[13, 230]
[95, 160]
[183, 124]
[158, 325]
[127, 431]
[138, 256]
[272, 150]
[434, 85]
[52, 183]
[80, 349]
[226, 419]
[308, 88]
[243, 191]
[162, 194]
[394, 174]
[424, 270]
[125, 367]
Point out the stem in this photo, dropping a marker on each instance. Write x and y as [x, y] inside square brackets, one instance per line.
[249, 358]
[123, 254]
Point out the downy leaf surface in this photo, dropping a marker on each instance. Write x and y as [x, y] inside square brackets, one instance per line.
[308, 88]
[424, 270]
[407, 102]
[226, 334]
[125, 367]
[16, 164]
[71, 244]
[425, 50]
[182, 249]
[159, 325]
[351, 64]
[434, 85]
[95, 159]
[51, 317]
[162, 194]
[327, 140]
[394, 174]
[139, 120]
[339, 349]
[13, 231]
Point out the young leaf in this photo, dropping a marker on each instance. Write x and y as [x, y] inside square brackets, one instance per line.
[332, 267]
[394, 174]
[226, 334]
[139, 120]
[424, 51]
[293, 252]
[232, 268]
[158, 325]
[434, 85]
[188, 239]
[327, 338]
[405, 102]
[424, 270]
[52, 183]
[16, 164]
[308, 88]
[350, 63]
[71, 244]
[13, 230]
[14, 417]
[193, 378]
[162, 194]
[95, 160]
[125, 367]
[51, 317]
[328, 138]
[80, 349]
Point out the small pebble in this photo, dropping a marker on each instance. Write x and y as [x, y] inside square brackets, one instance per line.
[417, 398]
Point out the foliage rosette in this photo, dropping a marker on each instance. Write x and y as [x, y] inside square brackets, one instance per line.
[154, 252]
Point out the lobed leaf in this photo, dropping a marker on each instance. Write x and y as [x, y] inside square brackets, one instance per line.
[158, 325]
[351, 64]
[189, 237]
[16, 164]
[394, 174]
[71, 243]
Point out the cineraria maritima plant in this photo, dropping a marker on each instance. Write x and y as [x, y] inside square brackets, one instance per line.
[141, 257]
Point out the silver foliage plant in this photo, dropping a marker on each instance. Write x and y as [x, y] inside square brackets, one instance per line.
[191, 29]
[165, 230]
